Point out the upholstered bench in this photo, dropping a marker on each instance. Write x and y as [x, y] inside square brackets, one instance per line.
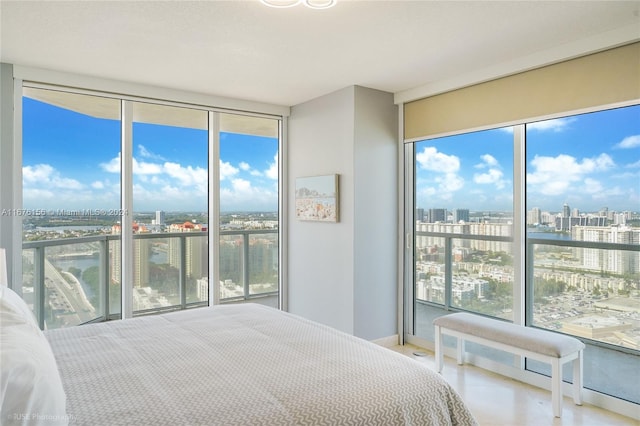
[541, 345]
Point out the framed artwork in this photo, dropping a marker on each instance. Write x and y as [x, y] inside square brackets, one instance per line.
[317, 198]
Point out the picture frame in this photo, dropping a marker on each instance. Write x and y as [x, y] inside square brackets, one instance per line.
[317, 198]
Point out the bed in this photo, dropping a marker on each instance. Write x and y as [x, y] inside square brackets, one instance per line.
[239, 365]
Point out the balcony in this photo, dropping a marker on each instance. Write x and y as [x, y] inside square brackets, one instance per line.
[590, 290]
[74, 281]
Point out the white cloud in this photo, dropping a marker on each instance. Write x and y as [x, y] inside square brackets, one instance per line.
[592, 186]
[556, 175]
[242, 194]
[555, 125]
[450, 182]
[629, 142]
[633, 165]
[488, 160]
[139, 167]
[244, 166]
[446, 179]
[431, 159]
[145, 153]
[227, 170]
[143, 168]
[427, 191]
[493, 176]
[37, 173]
[113, 166]
[241, 185]
[44, 175]
[35, 196]
[272, 171]
[188, 176]
[45, 187]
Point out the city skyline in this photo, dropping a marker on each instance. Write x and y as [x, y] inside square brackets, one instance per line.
[558, 210]
[71, 161]
[588, 161]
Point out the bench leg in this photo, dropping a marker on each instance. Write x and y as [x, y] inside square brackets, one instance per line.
[460, 351]
[556, 387]
[577, 379]
[439, 363]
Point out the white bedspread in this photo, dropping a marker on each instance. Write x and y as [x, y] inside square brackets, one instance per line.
[242, 365]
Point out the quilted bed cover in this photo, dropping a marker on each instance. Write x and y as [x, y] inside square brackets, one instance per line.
[242, 365]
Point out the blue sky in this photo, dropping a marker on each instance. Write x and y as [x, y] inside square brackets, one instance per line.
[72, 161]
[588, 161]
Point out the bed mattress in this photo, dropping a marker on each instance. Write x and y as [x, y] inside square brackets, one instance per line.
[242, 365]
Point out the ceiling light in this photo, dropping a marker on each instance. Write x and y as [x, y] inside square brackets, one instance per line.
[313, 4]
[319, 4]
[280, 3]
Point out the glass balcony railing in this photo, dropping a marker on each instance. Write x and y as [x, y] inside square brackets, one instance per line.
[587, 289]
[74, 281]
[590, 290]
[462, 271]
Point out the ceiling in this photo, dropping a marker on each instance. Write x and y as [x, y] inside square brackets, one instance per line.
[245, 50]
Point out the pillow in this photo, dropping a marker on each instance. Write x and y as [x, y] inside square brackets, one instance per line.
[10, 301]
[31, 390]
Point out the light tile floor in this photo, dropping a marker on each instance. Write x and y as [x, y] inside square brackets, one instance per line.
[496, 400]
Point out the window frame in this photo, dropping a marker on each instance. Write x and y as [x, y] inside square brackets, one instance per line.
[523, 294]
[156, 96]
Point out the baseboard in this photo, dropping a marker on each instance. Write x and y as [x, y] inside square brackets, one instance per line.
[388, 341]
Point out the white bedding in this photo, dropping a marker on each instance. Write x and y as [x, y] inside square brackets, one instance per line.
[242, 365]
[31, 391]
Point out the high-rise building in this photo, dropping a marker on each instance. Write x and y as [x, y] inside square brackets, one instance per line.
[202, 289]
[160, 217]
[196, 264]
[420, 215]
[460, 215]
[437, 215]
[563, 223]
[141, 255]
[614, 261]
[534, 216]
[547, 218]
[566, 211]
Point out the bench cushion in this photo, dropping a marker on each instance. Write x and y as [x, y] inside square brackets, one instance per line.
[527, 338]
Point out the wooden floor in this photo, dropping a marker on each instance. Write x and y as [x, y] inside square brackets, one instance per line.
[497, 400]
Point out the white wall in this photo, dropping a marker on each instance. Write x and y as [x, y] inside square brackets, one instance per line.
[343, 274]
[375, 212]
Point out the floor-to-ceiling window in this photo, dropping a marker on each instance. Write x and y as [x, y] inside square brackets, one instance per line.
[78, 198]
[583, 224]
[249, 175]
[70, 204]
[581, 252]
[170, 213]
[463, 226]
